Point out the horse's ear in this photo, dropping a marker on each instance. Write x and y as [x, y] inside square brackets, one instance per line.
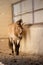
[19, 22]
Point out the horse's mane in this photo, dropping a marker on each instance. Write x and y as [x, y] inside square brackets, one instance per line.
[16, 27]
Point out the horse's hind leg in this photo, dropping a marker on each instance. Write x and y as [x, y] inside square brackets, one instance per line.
[12, 50]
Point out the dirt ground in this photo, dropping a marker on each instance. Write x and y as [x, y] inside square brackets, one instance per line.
[8, 59]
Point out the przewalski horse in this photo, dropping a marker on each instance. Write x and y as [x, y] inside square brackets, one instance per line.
[16, 31]
[15, 35]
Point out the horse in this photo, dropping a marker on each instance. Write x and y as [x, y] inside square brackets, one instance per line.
[15, 36]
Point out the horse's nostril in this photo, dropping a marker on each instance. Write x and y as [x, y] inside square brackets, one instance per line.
[20, 33]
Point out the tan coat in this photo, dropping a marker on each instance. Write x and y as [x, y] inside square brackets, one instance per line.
[14, 31]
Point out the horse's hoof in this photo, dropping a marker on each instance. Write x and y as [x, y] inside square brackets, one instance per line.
[10, 54]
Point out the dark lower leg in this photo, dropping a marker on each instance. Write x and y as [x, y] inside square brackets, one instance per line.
[12, 50]
[16, 53]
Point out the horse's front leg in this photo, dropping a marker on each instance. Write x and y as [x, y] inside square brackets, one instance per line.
[17, 45]
[11, 46]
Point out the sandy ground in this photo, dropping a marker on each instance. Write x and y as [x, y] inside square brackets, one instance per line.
[23, 59]
[8, 59]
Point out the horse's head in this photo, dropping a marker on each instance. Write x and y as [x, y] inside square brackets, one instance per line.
[15, 29]
[19, 29]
